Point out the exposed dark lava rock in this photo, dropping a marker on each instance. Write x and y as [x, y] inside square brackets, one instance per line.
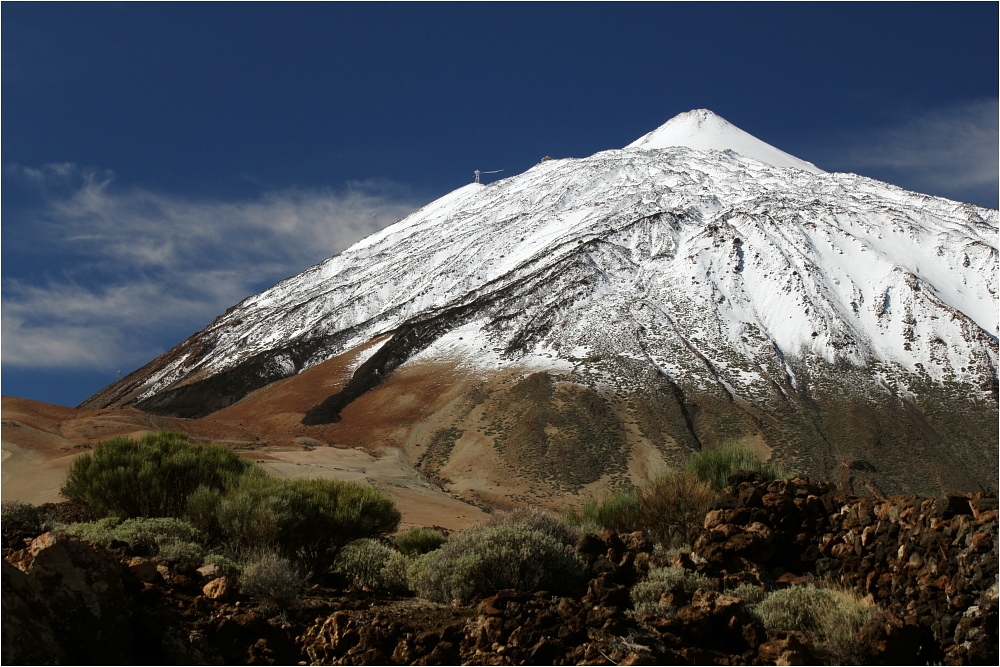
[931, 564]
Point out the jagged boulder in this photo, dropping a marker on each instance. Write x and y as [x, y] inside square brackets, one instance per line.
[65, 602]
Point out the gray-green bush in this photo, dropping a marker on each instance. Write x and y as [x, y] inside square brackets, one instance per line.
[647, 594]
[482, 560]
[227, 567]
[235, 506]
[540, 520]
[166, 537]
[371, 564]
[748, 593]
[832, 618]
[271, 579]
[152, 476]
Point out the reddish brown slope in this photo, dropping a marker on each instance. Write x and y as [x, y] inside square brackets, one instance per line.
[40, 440]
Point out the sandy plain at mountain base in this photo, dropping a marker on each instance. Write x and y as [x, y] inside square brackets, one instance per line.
[39, 441]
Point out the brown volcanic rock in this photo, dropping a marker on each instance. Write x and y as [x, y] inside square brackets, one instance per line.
[930, 563]
[717, 621]
[401, 633]
[892, 641]
[28, 635]
[67, 603]
[784, 648]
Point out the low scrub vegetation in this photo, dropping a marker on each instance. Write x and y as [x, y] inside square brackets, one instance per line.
[165, 497]
[501, 553]
[618, 511]
[18, 521]
[650, 595]
[536, 519]
[417, 541]
[748, 593]
[714, 466]
[832, 618]
[152, 476]
[371, 564]
[166, 537]
[674, 503]
[271, 579]
[307, 521]
[163, 484]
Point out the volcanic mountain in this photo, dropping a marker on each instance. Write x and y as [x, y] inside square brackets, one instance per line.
[597, 319]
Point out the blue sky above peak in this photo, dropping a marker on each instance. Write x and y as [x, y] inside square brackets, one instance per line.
[162, 162]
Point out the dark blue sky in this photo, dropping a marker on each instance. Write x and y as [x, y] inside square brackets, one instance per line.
[163, 161]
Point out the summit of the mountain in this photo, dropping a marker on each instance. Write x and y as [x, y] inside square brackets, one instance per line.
[702, 130]
[696, 286]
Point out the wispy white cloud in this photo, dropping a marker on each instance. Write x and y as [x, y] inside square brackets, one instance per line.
[141, 266]
[948, 151]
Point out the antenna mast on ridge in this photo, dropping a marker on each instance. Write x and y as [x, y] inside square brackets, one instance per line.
[477, 173]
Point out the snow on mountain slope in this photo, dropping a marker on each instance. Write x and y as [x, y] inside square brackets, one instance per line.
[741, 269]
[703, 130]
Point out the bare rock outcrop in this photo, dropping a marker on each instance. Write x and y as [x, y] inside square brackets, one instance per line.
[931, 563]
[64, 602]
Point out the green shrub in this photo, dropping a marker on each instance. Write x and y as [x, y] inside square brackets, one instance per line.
[673, 505]
[371, 564]
[668, 508]
[714, 466]
[647, 594]
[100, 531]
[663, 553]
[166, 537]
[271, 579]
[831, 618]
[177, 550]
[485, 559]
[619, 512]
[416, 568]
[307, 521]
[416, 541]
[150, 477]
[257, 513]
[395, 574]
[202, 509]
[537, 519]
[342, 512]
[748, 593]
[19, 520]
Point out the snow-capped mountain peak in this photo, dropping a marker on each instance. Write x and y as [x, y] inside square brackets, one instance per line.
[731, 289]
[702, 130]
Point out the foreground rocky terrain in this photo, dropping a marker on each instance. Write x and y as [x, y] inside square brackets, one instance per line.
[930, 564]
